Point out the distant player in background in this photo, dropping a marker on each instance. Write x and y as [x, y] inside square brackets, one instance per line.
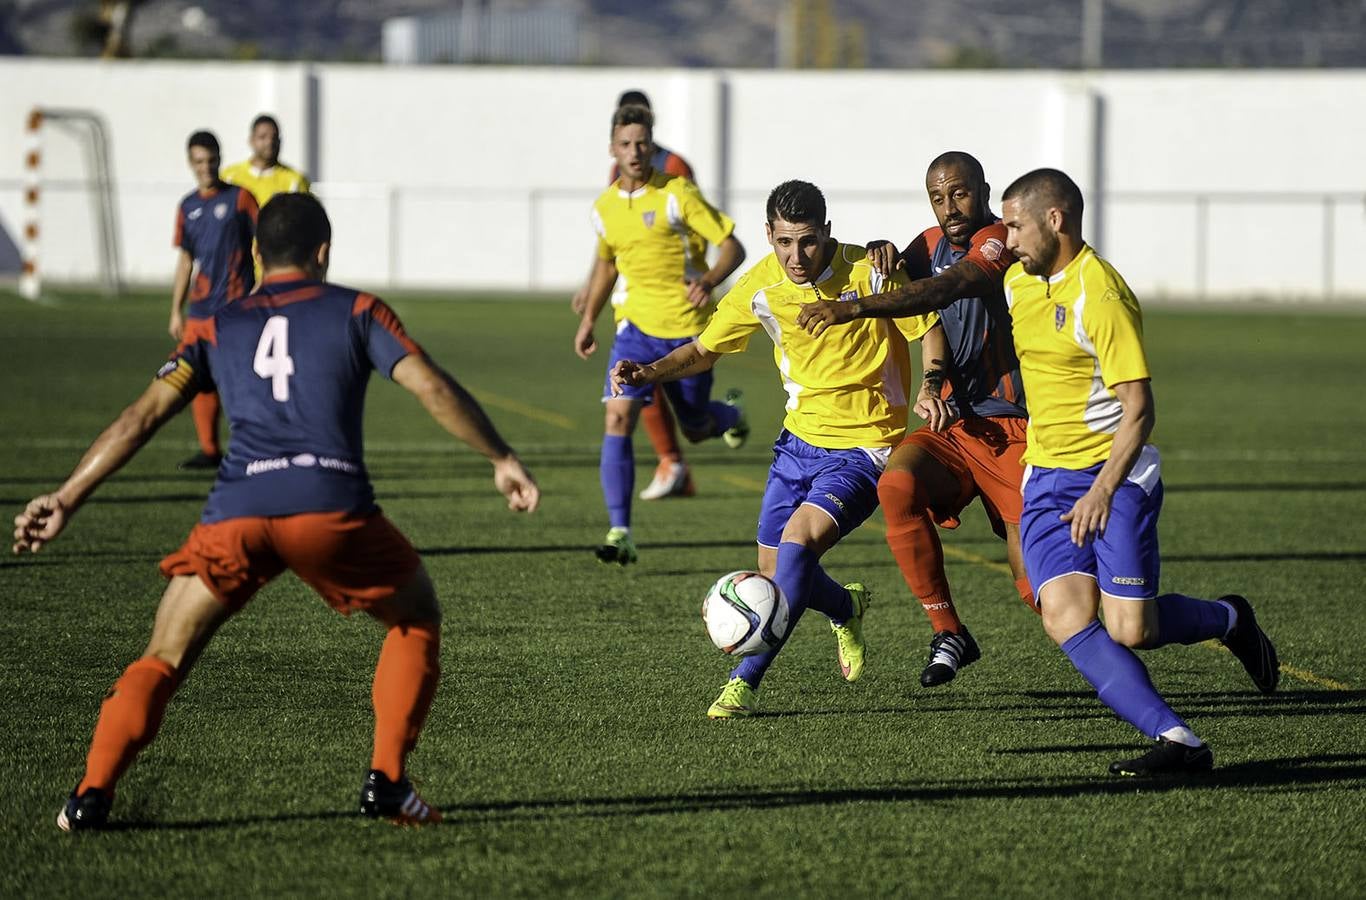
[672, 476]
[846, 410]
[262, 173]
[215, 225]
[975, 436]
[292, 362]
[1093, 487]
[653, 229]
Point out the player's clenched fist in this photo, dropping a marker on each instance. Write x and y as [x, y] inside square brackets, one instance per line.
[41, 521]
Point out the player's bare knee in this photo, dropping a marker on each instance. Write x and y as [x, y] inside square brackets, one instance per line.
[1134, 634]
[616, 422]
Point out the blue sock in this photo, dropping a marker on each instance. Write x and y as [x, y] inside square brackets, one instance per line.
[723, 416]
[1186, 620]
[618, 471]
[797, 568]
[1121, 680]
[828, 596]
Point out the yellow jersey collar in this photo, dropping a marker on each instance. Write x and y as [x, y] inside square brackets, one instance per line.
[1072, 266]
[652, 182]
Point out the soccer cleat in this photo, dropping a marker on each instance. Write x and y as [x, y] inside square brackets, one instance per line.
[1167, 758]
[1253, 648]
[397, 801]
[88, 812]
[737, 434]
[672, 479]
[737, 700]
[617, 547]
[849, 643]
[201, 460]
[949, 652]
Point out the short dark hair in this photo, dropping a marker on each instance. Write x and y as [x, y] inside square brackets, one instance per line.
[633, 114]
[204, 139]
[290, 229]
[265, 119]
[959, 160]
[633, 98]
[1047, 188]
[797, 201]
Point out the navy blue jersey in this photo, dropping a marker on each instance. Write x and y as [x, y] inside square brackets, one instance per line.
[291, 364]
[984, 375]
[216, 228]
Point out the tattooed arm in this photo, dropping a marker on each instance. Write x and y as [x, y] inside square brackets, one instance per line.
[690, 359]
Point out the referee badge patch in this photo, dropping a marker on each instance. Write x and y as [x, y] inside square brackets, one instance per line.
[1059, 316]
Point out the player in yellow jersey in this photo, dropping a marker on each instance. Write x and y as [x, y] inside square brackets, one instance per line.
[653, 229]
[263, 174]
[846, 410]
[1092, 484]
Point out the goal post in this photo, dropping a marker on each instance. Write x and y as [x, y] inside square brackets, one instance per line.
[88, 127]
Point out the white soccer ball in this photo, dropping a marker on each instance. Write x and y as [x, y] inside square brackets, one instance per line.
[746, 613]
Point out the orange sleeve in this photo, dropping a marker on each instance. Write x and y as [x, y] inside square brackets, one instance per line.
[247, 203]
[917, 255]
[988, 250]
[179, 239]
[677, 165]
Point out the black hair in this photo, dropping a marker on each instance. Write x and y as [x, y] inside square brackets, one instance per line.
[204, 139]
[797, 201]
[633, 114]
[265, 119]
[290, 229]
[1045, 188]
[633, 98]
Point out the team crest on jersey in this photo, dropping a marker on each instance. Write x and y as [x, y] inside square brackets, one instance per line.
[220, 210]
[992, 249]
[849, 295]
[1059, 316]
[649, 218]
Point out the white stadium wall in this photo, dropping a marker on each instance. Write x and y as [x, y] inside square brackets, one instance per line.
[480, 177]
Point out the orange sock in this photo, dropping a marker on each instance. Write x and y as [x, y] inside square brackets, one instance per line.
[914, 542]
[1027, 595]
[405, 682]
[129, 719]
[205, 409]
[658, 420]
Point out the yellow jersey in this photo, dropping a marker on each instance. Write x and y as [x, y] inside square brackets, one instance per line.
[1077, 334]
[265, 183]
[846, 388]
[658, 236]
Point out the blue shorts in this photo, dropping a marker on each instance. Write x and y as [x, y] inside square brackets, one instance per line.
[688, 396]
[1124, 560]
[842, 483]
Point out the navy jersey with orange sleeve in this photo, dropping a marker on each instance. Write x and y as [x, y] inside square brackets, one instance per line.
[291, 363]
[984, 375]
[664, 160]
[216, 228]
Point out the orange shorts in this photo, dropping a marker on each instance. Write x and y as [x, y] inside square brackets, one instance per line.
[353, 561]
[984, 455]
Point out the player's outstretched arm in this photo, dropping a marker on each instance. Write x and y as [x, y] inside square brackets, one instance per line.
[688, 360]
[925, 295]
[599, 289]
[729, 255]
[1090, 514]
[180, 289]
[46, 516]
[460, 414]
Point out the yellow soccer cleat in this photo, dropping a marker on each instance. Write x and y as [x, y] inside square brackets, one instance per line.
[617, 547]
[849, 643]
[737, 700]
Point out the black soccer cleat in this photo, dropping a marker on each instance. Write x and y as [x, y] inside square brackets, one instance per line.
[201, 460]
[1167, 758]
[398, 801]
[949, 652]
[88, 812]
[1253, 648]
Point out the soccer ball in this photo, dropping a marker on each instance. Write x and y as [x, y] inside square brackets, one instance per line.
[745, 613]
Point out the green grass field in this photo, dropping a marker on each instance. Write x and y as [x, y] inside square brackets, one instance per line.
[568, 744]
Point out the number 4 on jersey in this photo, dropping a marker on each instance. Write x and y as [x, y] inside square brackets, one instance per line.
[272, 357]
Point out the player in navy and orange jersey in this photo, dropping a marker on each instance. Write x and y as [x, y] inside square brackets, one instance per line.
[672, 476]
[972, 401]
[292, 363]
[214, 228]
